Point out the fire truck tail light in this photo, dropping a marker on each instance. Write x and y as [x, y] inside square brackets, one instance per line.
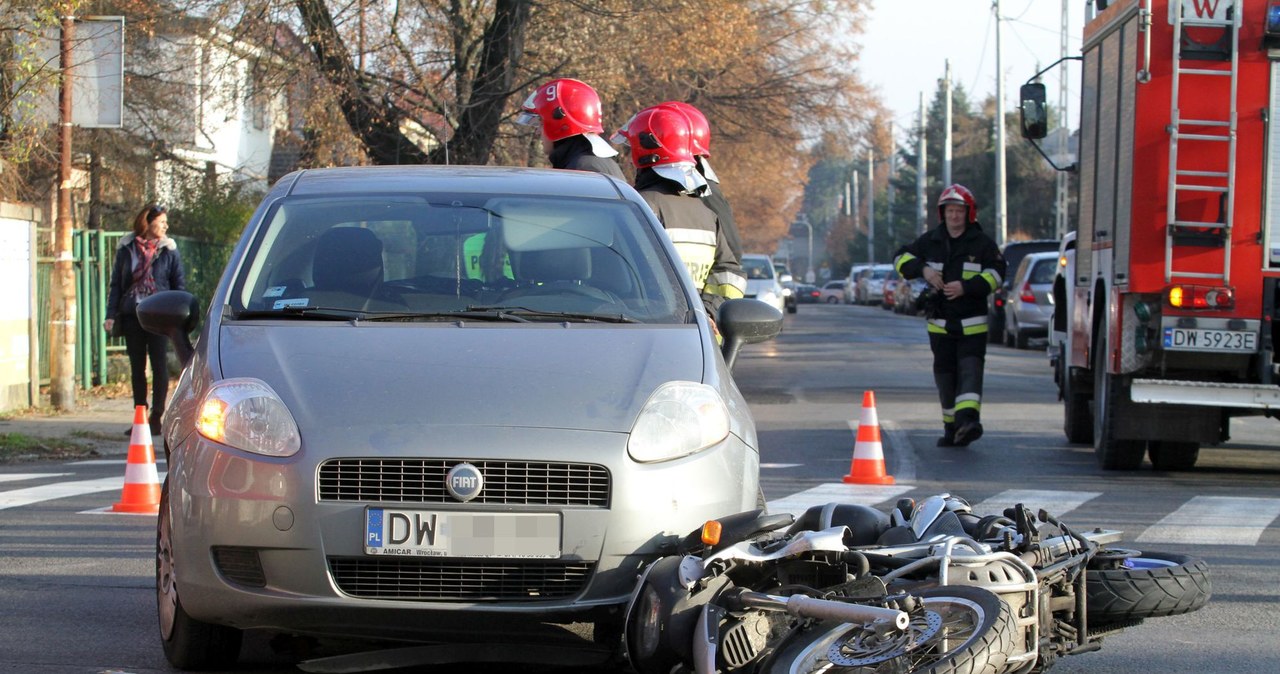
[1201, 297]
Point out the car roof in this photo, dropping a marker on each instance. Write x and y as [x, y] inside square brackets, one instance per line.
[457, 179]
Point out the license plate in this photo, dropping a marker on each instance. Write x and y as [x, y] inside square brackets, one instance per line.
[1229, 341]
[429, 533]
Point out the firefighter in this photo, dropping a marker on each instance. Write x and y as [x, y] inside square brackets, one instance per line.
[569, 113]
[962, 265]
[668, 180]
[713, 197]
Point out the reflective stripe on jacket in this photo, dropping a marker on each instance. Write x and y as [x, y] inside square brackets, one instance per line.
[971, 258]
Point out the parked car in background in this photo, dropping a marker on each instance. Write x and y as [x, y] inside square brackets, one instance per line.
[379, 435]
[788, 286]
[888, 294]
[870, 287]
[851, 281]
[907, 296]
[1030, 306]
[1013, 252]
[762, 280]
[807, 293]
[833, 292]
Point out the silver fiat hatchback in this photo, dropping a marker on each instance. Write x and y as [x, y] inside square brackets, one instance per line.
[447, 404]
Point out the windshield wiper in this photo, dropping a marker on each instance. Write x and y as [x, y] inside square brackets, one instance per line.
[536, 314]
[307, 313]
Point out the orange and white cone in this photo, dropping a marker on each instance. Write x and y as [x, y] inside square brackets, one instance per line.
[868, 452]
[141, 480]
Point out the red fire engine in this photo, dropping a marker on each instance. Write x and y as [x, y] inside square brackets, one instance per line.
[1167, 313]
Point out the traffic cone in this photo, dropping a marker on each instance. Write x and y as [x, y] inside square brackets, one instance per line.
[868, 453]
[141, 481]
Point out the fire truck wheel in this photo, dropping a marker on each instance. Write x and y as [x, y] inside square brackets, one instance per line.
[1171, 455]
[1077, 422]
[1112, 453]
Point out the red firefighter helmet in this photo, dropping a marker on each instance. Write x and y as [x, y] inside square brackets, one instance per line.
[657, 136]
[698, 126]
[566, 108]
[958, 194]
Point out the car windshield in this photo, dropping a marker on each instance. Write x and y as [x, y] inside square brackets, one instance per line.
[451, 257]
[757, 268]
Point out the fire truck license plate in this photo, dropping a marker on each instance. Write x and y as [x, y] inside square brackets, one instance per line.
[1229, 341]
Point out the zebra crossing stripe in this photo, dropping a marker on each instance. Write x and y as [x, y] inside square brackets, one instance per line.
[18, 477]
[1215, 520]
[1057, 503]
[22, 497]
[837, 493]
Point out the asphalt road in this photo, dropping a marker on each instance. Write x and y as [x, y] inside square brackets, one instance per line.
[78, 592]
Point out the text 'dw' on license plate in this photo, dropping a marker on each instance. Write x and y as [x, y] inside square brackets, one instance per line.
[1225, 341]
[428, 533]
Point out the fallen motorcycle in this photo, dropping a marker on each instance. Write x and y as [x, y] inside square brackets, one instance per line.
[928, 587]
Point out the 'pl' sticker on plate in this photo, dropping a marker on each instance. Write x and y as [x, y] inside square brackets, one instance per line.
[296, 302]
[274, 291]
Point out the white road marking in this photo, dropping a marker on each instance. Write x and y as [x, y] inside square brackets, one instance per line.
[780, 465]
[22, 497]
[838, 492]
[107, 462]
[1215, 520]
[1057, 503]
[18, 477]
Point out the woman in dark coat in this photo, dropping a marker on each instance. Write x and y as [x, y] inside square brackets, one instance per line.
[147, 262]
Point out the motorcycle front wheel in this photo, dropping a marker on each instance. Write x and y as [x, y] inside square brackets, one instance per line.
[1146, 585]
[958, 629]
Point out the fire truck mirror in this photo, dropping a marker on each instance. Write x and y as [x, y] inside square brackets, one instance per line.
[1035, 117]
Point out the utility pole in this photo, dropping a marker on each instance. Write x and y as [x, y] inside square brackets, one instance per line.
[857, 213]
[871, 206]
[1064, 131]
[1001, 195]
[922, 211]
[890, 193]
[946, 135]
[62, 351]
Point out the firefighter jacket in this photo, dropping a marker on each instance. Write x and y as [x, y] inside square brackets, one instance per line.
[714, 199]
[971, 258]
[696, 233]
[575, 153]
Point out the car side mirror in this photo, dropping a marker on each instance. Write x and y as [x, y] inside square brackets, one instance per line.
[1032, 111]
[174, 314]
[745, 322]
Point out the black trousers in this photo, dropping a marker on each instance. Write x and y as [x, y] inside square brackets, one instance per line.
[958, 362]
[141, 345]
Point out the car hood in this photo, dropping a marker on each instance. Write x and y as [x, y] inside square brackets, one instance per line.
[540, 376]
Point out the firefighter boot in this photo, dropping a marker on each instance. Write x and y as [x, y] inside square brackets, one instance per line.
[948, 438]
[967, 430]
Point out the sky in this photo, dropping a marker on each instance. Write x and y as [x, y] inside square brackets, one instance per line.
[907, 43]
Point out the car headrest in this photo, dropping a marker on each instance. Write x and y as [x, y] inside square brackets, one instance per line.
[347, 259]
[559, 264]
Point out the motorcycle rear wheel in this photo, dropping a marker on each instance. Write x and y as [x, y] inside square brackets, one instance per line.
[976, 637]
[1151, 585]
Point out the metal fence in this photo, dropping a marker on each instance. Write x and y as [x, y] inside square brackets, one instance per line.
[94, 252]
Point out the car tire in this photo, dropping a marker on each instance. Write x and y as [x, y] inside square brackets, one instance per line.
[188, 643]
[832, 300]
[791, 308]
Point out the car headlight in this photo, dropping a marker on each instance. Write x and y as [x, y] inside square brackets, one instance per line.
[768, 296]
[246, 414]
[680, 418]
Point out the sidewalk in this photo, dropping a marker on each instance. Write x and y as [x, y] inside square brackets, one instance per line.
[98, 421]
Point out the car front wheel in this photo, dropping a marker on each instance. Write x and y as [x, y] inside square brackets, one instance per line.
[188, 643]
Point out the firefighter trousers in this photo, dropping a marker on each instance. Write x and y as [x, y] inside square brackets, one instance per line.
[958, 362]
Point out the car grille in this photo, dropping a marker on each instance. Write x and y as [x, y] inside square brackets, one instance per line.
[532, 483]
[459, 579]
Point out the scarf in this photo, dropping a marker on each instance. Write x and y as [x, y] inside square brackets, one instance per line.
[144, 284]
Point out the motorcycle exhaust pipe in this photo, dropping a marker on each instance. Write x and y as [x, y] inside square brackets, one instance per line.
[803, 606]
